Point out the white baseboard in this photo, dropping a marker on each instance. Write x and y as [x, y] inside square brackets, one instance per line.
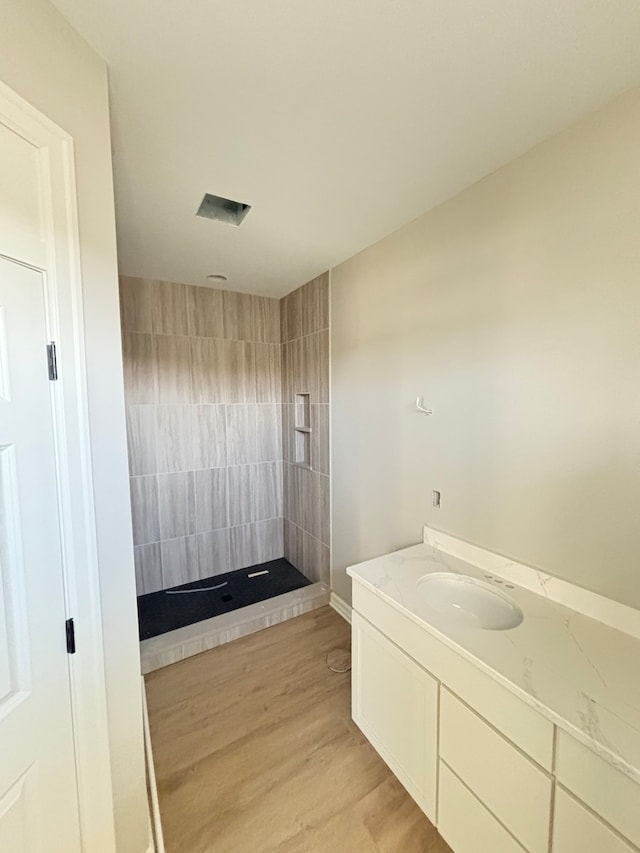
[157, 839]
[340, 606]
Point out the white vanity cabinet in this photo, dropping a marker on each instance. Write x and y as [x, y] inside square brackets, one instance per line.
[491, 772]
[395, 704]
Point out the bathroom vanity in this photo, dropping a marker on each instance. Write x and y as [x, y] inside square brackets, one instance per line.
[507, 702]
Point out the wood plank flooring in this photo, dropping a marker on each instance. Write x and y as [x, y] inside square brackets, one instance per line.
[256, 752]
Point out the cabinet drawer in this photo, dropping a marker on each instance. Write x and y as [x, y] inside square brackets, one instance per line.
[395, 704]
[519, 722]
[609, 792]
[465, 824]
[508, 783]
[577, 830]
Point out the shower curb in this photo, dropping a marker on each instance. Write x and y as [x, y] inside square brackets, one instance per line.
[183, 643]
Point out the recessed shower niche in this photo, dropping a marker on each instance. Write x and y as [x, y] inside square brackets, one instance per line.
[302, 430]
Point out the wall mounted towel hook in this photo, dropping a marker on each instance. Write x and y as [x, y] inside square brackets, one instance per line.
[421, 408]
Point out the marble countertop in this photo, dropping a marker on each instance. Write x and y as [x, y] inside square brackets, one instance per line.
[579, 672]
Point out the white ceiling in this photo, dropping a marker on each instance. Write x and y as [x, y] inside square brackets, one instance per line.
[338, 120]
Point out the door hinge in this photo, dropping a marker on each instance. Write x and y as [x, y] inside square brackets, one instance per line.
[52, 360]
[71, 636]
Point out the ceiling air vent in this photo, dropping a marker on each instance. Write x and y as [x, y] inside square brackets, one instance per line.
[223, 209]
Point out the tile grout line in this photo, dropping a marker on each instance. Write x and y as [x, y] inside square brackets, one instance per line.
[302, 337]
[224, 340]
[324, 544]
[214, 468]
[199, 405]
[206, 337]
[304, 468]
[218, 530]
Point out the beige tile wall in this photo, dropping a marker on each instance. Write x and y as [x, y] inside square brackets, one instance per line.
[304, 318]
[203, 389]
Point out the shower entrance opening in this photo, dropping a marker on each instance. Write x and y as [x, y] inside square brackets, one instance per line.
[179, 606]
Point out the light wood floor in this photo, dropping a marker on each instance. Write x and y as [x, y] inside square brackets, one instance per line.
[256, 752]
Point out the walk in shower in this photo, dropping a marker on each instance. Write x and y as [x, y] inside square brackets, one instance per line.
[227, 424]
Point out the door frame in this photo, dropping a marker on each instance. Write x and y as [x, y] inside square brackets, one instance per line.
[57, 257]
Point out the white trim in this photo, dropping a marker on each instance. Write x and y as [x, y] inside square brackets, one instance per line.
[340, 606]
[69, 400]
[329, 429]
[605, 610]
[157, 838]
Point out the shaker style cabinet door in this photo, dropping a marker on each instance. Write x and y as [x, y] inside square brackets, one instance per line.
[395, 704]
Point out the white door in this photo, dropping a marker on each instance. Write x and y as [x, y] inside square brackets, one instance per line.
[38, 789]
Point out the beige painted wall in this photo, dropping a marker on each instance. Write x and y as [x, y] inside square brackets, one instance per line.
[514, 309]
[45, 60]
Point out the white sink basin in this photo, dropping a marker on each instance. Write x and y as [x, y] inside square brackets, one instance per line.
[468, 601]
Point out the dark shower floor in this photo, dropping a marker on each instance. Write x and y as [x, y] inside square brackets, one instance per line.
[159, 612]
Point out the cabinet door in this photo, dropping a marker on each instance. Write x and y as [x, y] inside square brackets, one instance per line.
[465, 824]
[577, 830]
[601, 786]
[509, 784]
[395, 704]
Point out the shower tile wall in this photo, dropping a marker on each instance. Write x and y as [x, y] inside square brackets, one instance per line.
[203, 391]
[304, 318]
